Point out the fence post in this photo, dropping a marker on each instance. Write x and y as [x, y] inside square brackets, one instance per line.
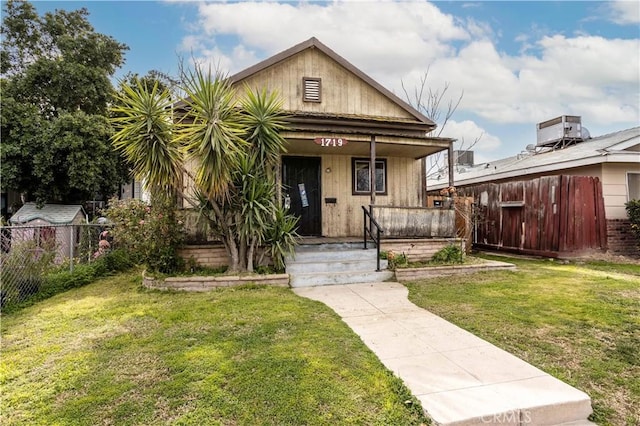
[71, 248]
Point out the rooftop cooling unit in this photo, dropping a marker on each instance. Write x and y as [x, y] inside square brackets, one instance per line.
[563, 130]
[463, 158]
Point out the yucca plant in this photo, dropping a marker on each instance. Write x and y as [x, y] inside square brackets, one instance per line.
[145, 134]
[232, 147]
[281, 237]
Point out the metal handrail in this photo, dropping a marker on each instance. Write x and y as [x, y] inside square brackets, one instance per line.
[369, 231]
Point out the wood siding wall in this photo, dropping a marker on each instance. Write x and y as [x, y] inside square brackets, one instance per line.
[342, 92]
[416, 221]
[344, 218]
[553, 215]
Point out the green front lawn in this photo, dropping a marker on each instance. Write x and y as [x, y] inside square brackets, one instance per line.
[578, 322]
[114, 353]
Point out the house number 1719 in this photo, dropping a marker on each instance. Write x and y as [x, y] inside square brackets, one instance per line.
[330, 141]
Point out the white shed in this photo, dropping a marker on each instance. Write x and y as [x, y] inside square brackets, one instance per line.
[50, 224]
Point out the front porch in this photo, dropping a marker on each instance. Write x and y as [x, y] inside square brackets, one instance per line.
[213, 254]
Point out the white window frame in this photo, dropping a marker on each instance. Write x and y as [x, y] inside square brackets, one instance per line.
[636, 195]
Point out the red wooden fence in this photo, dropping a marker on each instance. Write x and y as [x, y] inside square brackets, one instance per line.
[551, 215]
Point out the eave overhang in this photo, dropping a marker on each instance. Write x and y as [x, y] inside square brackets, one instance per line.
[359, 144]
[535, 170]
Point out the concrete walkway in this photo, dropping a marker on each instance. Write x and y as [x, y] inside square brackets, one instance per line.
[459, 378]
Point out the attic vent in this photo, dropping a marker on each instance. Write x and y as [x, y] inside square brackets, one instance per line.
[311, 88]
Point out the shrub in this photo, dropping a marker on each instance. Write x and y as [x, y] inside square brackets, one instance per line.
[448, 254]
[151, 234]
[281, 237]
[395, 260]
[633, 211]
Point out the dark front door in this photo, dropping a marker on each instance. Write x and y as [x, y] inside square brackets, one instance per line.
[301, 190]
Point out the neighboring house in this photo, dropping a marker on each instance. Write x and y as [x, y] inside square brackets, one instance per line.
[49, 225]
[593, 179]
[341, 123]
[134, 190]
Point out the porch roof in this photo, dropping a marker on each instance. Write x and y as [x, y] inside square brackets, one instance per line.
[302, 143]
[394, 138]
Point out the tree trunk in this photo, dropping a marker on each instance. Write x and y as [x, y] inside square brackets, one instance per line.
[229, 241]
[250, 253]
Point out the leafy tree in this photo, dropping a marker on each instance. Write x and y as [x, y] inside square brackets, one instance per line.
[55, 91]
[229, 148]
[165, 81]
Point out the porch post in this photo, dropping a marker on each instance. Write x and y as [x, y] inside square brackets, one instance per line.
[451, 161]
[279, 181]
[372, 170]
[423, 181]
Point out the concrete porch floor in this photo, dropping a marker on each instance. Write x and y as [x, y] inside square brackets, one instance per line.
[459, 378]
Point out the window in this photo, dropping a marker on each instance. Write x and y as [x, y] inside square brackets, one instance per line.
[45, 237]
[311, 89]
[362, 176]
[633, 186]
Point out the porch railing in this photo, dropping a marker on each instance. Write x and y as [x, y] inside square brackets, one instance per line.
[368, 231]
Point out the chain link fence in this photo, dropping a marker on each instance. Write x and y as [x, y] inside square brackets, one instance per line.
[28, 253]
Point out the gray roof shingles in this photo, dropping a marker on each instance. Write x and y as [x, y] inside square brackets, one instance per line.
[58, 214]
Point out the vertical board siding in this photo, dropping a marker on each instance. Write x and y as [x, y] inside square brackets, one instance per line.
[342, 92]
[550, 214]
[416, 222]
[344, 218]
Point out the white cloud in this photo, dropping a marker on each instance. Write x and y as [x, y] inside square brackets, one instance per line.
[385, 38]
[394, 42]
[624, 12]
[470, 136]
[567, 76]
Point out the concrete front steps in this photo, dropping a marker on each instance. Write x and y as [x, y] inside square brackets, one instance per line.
[334, 263]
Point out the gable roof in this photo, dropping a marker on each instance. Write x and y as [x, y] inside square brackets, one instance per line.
[614, 147]
[58, 214]
[314, 43]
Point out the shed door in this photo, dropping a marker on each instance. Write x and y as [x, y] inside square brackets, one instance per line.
[301, 183]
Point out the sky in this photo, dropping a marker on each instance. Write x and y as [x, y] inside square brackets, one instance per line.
[515, 63]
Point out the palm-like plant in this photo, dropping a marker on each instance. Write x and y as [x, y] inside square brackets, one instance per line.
[145, 135]
[211, 131]
[264, 121]
[234, 148]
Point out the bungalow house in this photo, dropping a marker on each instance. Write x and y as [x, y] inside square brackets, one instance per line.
[563, 196]
[351, 143]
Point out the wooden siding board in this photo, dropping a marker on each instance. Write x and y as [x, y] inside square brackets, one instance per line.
[494, 218]
[565, 212]
[589, 214]
[531, 221]
[547, 235]
[556, 194]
